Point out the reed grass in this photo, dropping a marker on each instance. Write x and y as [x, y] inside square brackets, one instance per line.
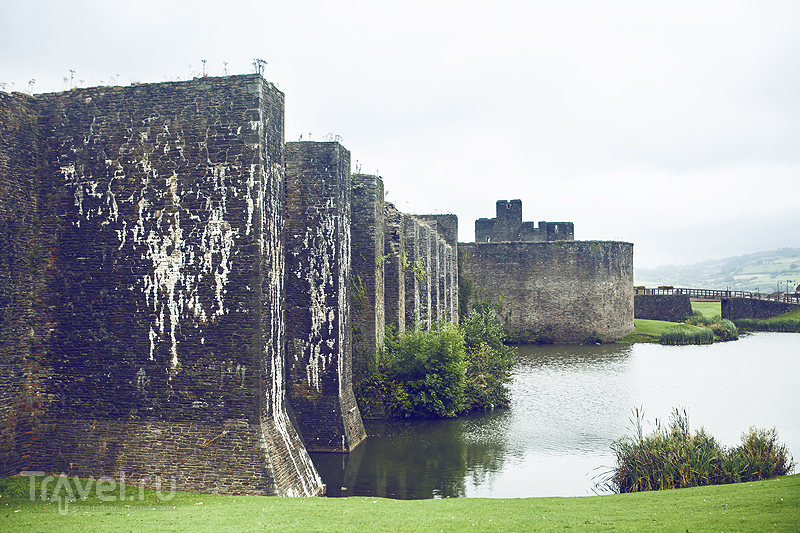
[681, 335]
[672, 457]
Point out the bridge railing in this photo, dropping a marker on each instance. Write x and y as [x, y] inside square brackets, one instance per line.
[716, 294]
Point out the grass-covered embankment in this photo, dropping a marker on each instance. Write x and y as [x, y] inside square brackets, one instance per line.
[772, 505]
[705, 327]
[787, 322]
[652, 330]
[707, 308]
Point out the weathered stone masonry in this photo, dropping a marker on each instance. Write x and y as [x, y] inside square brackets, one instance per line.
[147, 327]
[559, 292]
[148, 324]
[735, 308]
[669, 307]
[403, 270]
[318, 291]
[24, 245]
[367, 237]
[180, 290]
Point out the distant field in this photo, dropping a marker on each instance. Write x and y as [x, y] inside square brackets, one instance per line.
[763, 271]
[708, 308]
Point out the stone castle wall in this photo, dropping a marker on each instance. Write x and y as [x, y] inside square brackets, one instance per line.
[367, 237]
[25, 250]
[318, 296]
[735, 308]
[184, 296]
[155, 338]
[555, 292]
[669, 307]
[404, 270]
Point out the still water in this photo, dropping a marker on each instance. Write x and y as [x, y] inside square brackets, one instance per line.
[568, 404]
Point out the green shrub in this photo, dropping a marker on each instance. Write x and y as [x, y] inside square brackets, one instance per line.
[488, 361]
[426, 372]
[671, 457]
[725, 330]
[439, 372]
[699, 319]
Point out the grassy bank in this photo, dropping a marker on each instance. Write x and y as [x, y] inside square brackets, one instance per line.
[675, 333]
[787, 322]
[772, 505]
[651, 330]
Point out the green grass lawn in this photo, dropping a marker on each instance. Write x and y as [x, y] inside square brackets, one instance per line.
[707, 308]
[650, 330]
[772, 505]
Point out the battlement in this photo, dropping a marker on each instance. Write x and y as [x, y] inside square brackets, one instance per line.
[508, 226]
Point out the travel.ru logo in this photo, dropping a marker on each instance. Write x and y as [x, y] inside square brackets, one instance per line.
[106, 489]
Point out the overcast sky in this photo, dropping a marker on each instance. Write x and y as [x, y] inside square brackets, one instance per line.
[673, 126]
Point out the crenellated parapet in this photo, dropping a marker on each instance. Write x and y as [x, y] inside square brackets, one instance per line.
[508, 226]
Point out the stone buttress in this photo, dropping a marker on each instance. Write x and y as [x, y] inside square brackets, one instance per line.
[318, 293]
[157, 341]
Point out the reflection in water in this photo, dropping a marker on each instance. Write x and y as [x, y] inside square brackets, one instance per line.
[568, 404]
[414, 459]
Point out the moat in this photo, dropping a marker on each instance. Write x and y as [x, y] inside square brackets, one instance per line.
[568, 404]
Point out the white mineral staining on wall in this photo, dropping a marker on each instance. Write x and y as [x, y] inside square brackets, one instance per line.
[319, 275]
[180, 266]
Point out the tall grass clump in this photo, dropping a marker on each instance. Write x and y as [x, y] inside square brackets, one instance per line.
[725, 330]
[699, 319]
[672, 457]
[678, 335]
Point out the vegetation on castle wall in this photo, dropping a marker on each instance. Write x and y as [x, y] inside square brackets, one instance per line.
[439, 372]
[489, 361]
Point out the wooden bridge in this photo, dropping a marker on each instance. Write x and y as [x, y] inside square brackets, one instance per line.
[716, 294]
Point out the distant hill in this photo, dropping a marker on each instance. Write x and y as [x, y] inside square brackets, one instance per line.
[762, 271]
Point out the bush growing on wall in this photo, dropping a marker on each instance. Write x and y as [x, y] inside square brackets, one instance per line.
[489, 361]
[440, 372]
[425, 372]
